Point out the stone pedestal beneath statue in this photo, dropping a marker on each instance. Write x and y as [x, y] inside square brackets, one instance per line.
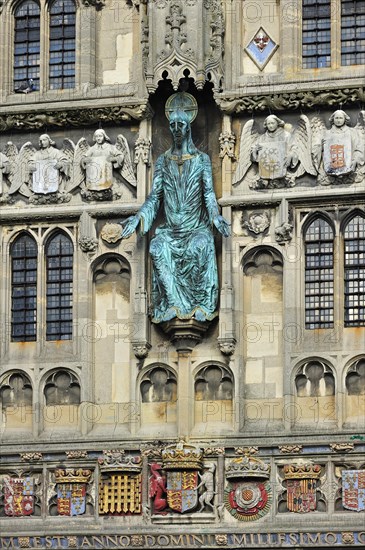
[185, 334]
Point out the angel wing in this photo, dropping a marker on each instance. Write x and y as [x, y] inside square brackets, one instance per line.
[78, 174]
[318, 128]
[68, 152]
[21, 173]
[126, 170]
[248, 138]
[303, 140]
[11, 152]
[360, 126]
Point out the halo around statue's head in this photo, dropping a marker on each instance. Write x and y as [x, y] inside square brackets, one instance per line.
[182, 101]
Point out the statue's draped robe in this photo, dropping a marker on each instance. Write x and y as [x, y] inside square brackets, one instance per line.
[185, 280]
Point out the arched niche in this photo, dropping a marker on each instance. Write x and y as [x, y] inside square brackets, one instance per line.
[315, 394]
[113, 331]
[262, 331]
[213, 396]
[355, 392]
[62, 397]
[16, 396]
[158, 395]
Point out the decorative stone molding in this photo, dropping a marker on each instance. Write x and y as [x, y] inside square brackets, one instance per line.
[185, 334]
[227, 345]
[342, 447]
[142, 151]
[111, 233]
[73, 118]
[257, 222]
[283, 233]
[88, 244]
[72, 455]
[214, 451]
[97, 4]
[31, 457]
[227, 141]
[289, 101]
[24, 542]
[290, 449]
[221, 540]
[137, 540]
[246, 451]
[348, 538]
[141, 349]
[167, 40]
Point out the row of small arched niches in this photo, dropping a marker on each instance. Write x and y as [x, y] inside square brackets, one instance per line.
[159, 384]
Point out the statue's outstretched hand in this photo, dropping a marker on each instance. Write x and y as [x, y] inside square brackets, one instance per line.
[129, 226]
[222, 225]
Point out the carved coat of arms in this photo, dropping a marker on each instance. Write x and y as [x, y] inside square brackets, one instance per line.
[248, 494]
[182, 464]
[353, 490]
[71, 491]
[301, 485]
[18, 496]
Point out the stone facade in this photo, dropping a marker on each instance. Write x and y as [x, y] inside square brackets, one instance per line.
[151, 437]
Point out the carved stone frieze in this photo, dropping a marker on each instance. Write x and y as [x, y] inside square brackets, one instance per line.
[342, 447]
[257, 222]
[227, 141]
[246, 450]
[73, 117]
[71, 455]
[141, 349]
[287, 101]
[97, 4]
[283, 233]
[31, 457]
[111, 233]
[142, 151]
[290, 449]
[214, 451]
[221, 540]
[227, 345]
[176, 46]
[88, 244]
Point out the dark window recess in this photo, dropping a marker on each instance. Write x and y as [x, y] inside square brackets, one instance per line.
[319, 275]
[59, 258]
[316, 33]
[352, 32]
[24, 290]
[26, 45]
[62, 44]
[354, 242]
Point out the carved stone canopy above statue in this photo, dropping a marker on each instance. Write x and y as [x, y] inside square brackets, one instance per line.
[175, 47]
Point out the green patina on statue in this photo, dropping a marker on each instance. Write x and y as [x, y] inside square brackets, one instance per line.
[185, 279]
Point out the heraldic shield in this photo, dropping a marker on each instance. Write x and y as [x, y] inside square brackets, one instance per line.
[182, 462]
[353, 490]
[302, 481]
[182, 492]
[71, 499]
[18, 496]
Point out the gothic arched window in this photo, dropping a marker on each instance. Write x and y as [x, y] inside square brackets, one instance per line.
[318, 239]
[59, 260]
[24, 289]
[354, 265]
[27, 43]
[62, 44]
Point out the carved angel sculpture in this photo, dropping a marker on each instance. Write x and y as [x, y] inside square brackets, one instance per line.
[281, 155]
[338, 153]
[4, 169]
[93, 166]
[40, 172]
